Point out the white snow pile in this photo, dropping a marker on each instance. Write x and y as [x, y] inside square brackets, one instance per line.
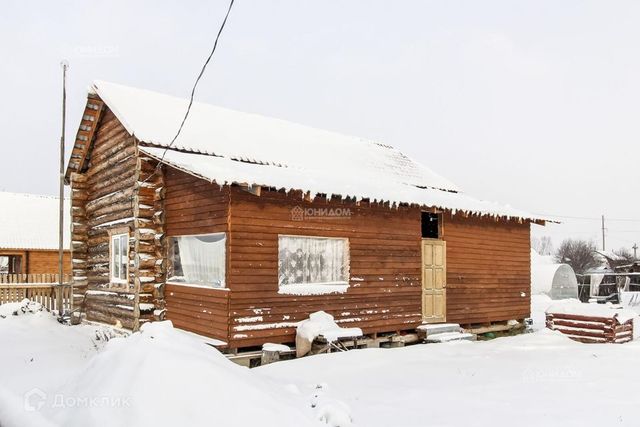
[320, 323]
[60, 376]
[539, 305]
[37, 355]
[531, 380]
[578, 308]
[330, 411]
[18, 308]
[269, 346]
[160, 376]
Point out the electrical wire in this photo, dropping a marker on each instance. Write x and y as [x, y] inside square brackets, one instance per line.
[193, 92]
[587, 218]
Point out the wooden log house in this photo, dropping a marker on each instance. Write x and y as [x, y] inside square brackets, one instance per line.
[29, 236]
[246, 225]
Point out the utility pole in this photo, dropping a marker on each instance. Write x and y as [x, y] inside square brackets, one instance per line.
[59, 299]
[635, 250]
[603, 242]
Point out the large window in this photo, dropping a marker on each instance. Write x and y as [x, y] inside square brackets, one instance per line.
[198, 260]
[312, 260]
[119, 258]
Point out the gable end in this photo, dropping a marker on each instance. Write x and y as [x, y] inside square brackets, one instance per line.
[85, 135]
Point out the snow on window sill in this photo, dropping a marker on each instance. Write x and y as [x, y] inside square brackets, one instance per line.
[189, 285]
[314, 288]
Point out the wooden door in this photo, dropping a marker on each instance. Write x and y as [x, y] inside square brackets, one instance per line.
[434, 276]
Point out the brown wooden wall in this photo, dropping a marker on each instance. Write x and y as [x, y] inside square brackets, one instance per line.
[384, 254]
[40, 261]
[200, 310]
[487, 262]
[195, 206]
[488, 270]
[46, 262]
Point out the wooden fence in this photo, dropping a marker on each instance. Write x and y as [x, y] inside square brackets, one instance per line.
[41, 288]
[32, 278]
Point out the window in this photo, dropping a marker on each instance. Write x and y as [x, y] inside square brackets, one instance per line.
[430, 225]
[312, 260]
[119, 258]
[198, 260]
[10, 264]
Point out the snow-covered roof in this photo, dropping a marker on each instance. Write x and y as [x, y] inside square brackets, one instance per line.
[30, 221]
[610, 255]
[230, 147]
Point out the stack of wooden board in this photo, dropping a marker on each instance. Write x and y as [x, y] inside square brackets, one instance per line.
[592, 323]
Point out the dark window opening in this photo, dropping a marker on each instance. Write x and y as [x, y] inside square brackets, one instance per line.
[430, 225]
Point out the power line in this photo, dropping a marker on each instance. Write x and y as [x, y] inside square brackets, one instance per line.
[193, 92]
[588, 218]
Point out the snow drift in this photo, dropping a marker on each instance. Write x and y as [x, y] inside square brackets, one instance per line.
[160, 376]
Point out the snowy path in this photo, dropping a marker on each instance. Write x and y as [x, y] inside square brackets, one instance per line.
[161, 377]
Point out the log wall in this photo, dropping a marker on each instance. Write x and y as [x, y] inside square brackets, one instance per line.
[117, 191]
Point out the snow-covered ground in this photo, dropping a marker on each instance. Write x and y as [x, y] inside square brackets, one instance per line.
[164, 377]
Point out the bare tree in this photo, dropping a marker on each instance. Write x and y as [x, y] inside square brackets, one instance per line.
[579, 254]
[542, 245]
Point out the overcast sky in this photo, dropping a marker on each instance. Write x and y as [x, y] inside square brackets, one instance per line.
[531, 103]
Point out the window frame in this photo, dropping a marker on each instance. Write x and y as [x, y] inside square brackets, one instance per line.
[113, 236]
[197, 285]
[347, 256]
[11, 262]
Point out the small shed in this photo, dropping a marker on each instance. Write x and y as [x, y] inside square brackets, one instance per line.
[558, 281]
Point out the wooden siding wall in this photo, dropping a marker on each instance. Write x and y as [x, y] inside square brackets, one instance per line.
[46, 262]
[118, 189]
[488, 270]
[384, 293]
[195, 206]
[40, 261]
[200, 310]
